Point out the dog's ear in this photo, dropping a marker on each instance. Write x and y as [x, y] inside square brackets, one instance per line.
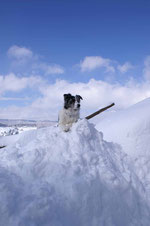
[65, 96]
[78, 98]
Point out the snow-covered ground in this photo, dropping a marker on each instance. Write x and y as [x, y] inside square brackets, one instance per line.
[52, 178]
[129, 128]
[12, 130]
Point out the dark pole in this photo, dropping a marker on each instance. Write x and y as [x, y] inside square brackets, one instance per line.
[99, 111]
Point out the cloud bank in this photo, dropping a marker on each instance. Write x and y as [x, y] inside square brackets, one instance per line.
[46, 98]
[13, 83]
[96, 94]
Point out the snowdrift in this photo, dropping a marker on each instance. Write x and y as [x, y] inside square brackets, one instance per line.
[129, 128]
[52, 178]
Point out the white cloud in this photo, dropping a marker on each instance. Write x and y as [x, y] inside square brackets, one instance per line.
[146, 70]
[125, 67]
[13, 83]
[92, 62]
[23, 59]
[14, 98]
[18, 52]
[49, 69]
[96, 94]
[54, 69]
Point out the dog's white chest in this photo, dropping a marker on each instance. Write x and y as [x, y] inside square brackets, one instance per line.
[67, 117]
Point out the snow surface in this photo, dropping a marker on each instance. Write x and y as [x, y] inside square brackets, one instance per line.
[7, 131]
[130, 128]
[9, 135]
[12, 130]
[52, 178]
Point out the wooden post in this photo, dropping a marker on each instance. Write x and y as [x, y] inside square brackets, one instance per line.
[2, 146]
[99, 111]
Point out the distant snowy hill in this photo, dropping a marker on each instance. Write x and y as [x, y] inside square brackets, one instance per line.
[2, 125]
[8, 131]
[52, 178]
[27, 123]
[129, 128]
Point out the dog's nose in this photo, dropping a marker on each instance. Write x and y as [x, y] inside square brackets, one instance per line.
[78, 105]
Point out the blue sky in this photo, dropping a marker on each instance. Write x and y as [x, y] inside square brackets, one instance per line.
[74, 41]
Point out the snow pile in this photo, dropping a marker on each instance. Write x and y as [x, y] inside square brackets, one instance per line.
[6, 133]
[48, 177]
[129, 128]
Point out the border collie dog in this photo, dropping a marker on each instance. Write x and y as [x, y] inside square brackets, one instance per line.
[70, 112]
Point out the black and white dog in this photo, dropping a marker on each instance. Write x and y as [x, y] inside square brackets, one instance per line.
[70, 112]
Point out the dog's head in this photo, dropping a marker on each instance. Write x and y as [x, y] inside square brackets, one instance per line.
[72, 101]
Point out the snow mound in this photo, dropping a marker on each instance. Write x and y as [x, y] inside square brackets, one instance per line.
[129, 128]
[48, 177]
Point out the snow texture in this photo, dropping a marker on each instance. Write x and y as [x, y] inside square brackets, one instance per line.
[52, 178]
[129, 128]
[7, 131]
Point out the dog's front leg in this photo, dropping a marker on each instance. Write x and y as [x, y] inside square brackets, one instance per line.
[65, 127]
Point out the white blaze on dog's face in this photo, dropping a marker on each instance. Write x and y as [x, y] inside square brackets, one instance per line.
[77, 102]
